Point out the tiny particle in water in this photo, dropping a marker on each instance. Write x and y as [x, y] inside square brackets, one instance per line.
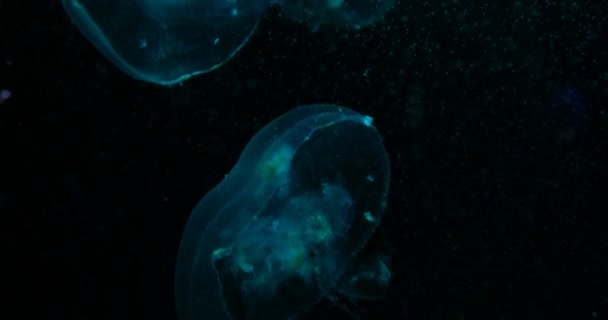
[4, 95]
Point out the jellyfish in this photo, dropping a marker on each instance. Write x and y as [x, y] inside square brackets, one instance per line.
[168, 41]
[285, 228]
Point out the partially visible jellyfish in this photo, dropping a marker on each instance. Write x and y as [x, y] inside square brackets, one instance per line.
[168, 41]
[285, 228]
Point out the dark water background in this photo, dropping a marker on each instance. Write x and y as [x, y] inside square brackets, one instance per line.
[494, 115]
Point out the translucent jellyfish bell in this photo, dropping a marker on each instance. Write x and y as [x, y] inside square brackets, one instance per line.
[285, 228]
[166, 41]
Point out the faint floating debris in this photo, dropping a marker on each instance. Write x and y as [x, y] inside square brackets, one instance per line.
[4, 95]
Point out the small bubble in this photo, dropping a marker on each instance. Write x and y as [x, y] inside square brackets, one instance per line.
[4, 95]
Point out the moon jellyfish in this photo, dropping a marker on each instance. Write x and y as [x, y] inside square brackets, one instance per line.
[169, 41]
[166, 41]
[286, 227]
